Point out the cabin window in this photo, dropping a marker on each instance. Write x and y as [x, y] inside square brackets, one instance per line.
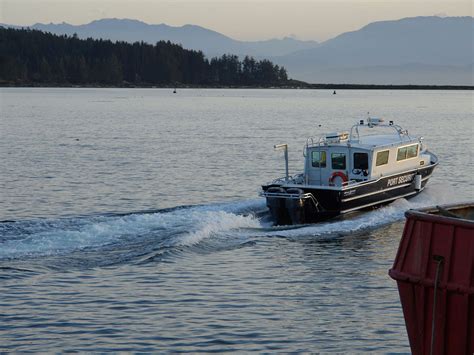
[407, 152]
[318, 158]
[361, 161]
[382, 158]
[338, 161]
[412, 151]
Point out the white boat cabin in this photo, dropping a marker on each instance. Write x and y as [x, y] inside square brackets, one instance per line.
[343, 158]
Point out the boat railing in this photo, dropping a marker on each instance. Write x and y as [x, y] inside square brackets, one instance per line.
[355, 135]
[313, 142]
[295, 179]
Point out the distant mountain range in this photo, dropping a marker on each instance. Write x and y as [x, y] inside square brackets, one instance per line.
[419, 50]
[194, 37]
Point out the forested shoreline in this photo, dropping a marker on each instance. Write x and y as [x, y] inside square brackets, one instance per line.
[35, 58]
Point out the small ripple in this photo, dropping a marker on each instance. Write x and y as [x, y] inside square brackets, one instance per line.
[12, 273]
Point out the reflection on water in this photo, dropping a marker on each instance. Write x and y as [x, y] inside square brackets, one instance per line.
[131, 222]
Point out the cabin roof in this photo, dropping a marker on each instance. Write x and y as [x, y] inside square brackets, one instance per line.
[355, 139]
[372, 141]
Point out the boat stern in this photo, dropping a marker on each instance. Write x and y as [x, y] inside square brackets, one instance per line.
[293, 205]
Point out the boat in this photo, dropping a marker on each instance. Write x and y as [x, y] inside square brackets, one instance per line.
[434, 270]
[371, 165]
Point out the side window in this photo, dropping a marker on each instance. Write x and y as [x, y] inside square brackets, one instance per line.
[382, 158]
[338, 161]
[402, 153]
[318, 159]
[408, 152]
[361, 161]
[412, 151]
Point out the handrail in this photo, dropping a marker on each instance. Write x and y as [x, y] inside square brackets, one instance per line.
[291, 179]
[398, 129]
[320, 140]
[286, 195]
[355, 136]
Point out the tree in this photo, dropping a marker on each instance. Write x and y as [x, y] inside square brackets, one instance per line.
[31, 56]
[45, 70]
[249, 66]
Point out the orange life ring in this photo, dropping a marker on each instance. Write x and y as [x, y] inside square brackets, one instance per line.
[340, 174]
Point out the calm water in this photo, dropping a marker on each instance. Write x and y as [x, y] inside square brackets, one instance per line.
[131, 221]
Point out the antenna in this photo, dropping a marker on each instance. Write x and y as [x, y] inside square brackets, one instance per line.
[285, 148]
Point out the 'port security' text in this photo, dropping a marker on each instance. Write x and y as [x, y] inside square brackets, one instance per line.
[400, 180]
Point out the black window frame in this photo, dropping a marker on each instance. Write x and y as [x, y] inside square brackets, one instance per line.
[332, 161]
[319, 163]
[361, 166]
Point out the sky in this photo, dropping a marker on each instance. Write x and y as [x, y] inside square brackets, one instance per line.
[244, 20]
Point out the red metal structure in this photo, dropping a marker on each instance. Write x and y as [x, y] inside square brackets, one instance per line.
[434, 270]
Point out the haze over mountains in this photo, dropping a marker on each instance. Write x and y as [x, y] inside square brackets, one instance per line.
[212, 43]
[420, 50]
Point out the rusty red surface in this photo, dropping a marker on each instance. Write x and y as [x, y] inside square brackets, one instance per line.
[437, 252]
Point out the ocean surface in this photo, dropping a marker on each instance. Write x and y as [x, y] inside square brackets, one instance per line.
[130, 220]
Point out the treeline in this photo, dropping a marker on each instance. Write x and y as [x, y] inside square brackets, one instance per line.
[34, 57]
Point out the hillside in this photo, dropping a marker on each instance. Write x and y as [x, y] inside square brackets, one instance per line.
[31, 57]
[420, 50]
[210, 42]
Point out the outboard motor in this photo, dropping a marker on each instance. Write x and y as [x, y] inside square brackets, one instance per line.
[296, 206]
[277, 207]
